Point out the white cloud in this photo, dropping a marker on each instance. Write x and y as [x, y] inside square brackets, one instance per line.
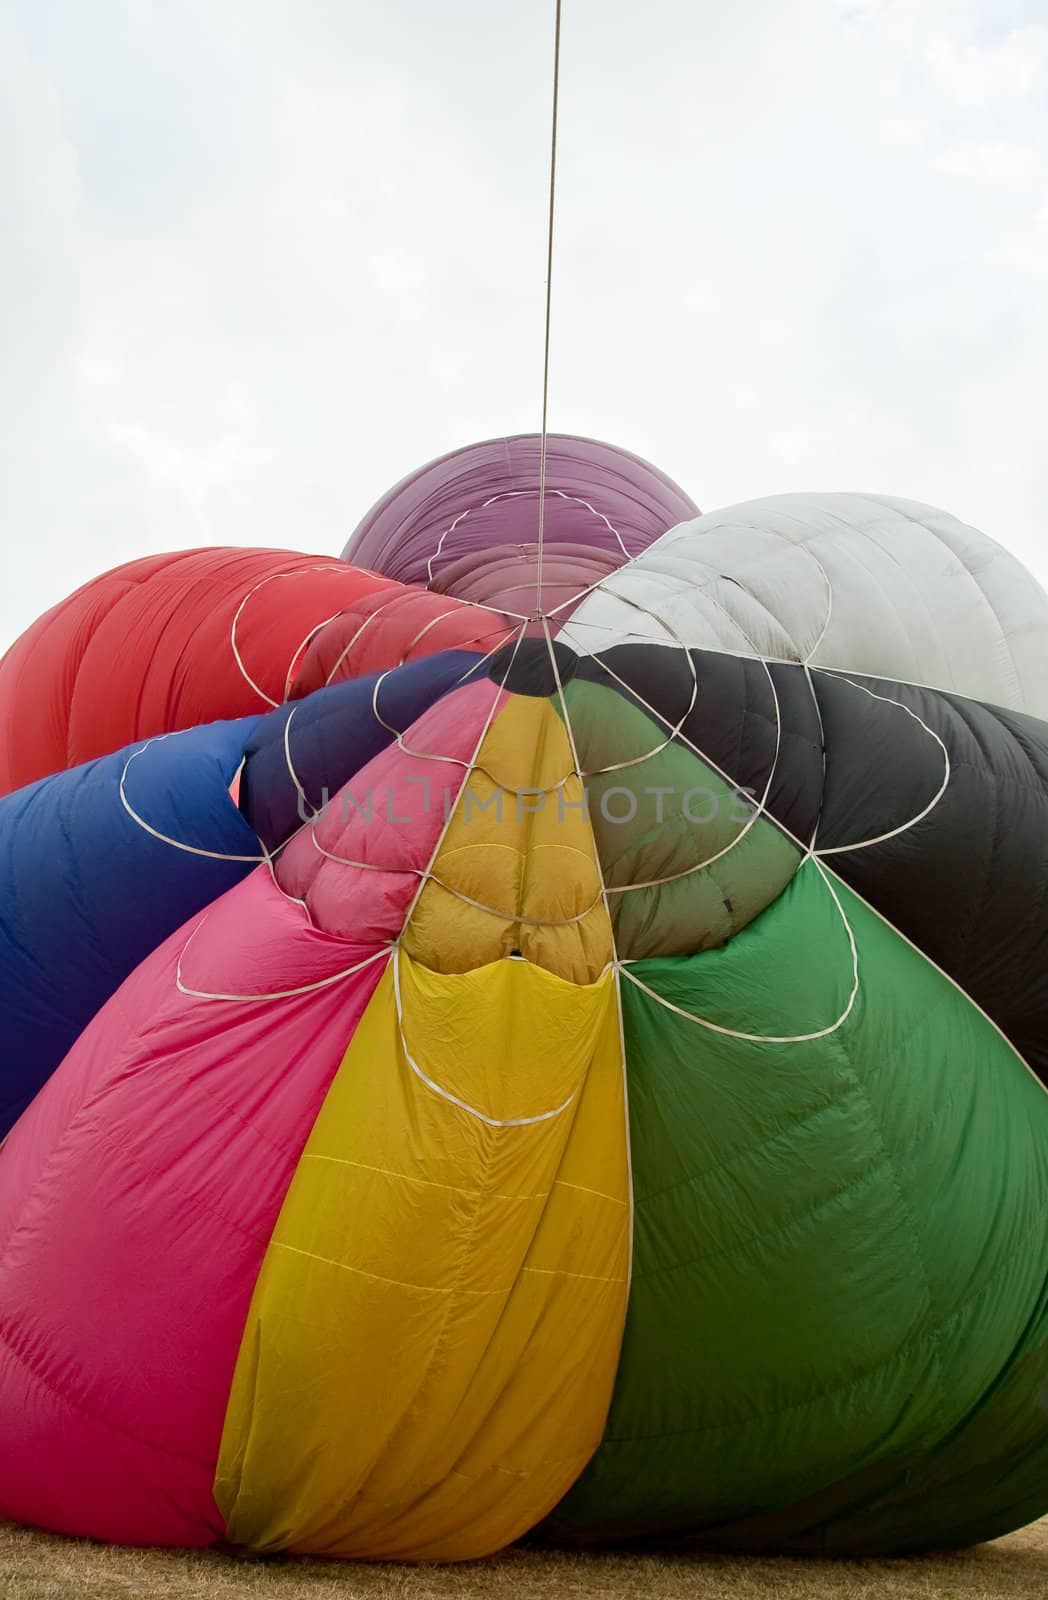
[260, 259]
[981, 77]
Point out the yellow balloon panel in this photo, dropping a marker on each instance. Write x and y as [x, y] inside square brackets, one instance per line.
[517, 868]
[430, 1351]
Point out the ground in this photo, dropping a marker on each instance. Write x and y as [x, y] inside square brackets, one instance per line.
[36, 1566]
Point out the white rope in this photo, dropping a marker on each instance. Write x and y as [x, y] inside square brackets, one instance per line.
[676, 735]
[771, 1038]
[616, 965]
[518, 494]
[762, 806]
[504, 632]
[829, 603]
[306, 642]
[549, 302]
[276, 994]
[495, 703]
[369, 618]
[807, 848]
[292, 774]
[822, 751]
[445, 1094]
[513, 917]
[573, 746]
[904, 827]
[671, 581]
[300, 572]
[421, 755]
[176, 844]
[758, 810]
[636, 761]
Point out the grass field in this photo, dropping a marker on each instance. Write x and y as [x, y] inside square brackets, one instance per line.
[36, 1566]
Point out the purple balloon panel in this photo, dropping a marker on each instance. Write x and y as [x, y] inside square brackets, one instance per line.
[442, 525]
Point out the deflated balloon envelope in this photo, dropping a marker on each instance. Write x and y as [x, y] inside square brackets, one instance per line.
[500, 1046]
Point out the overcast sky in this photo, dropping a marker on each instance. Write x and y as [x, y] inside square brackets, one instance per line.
[261, 257]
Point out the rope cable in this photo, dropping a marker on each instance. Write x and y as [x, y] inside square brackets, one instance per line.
[549, 298]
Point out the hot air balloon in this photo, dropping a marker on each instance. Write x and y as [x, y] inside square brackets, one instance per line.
[517, 1038]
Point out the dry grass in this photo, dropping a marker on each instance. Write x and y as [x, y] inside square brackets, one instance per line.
[36, 1566]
